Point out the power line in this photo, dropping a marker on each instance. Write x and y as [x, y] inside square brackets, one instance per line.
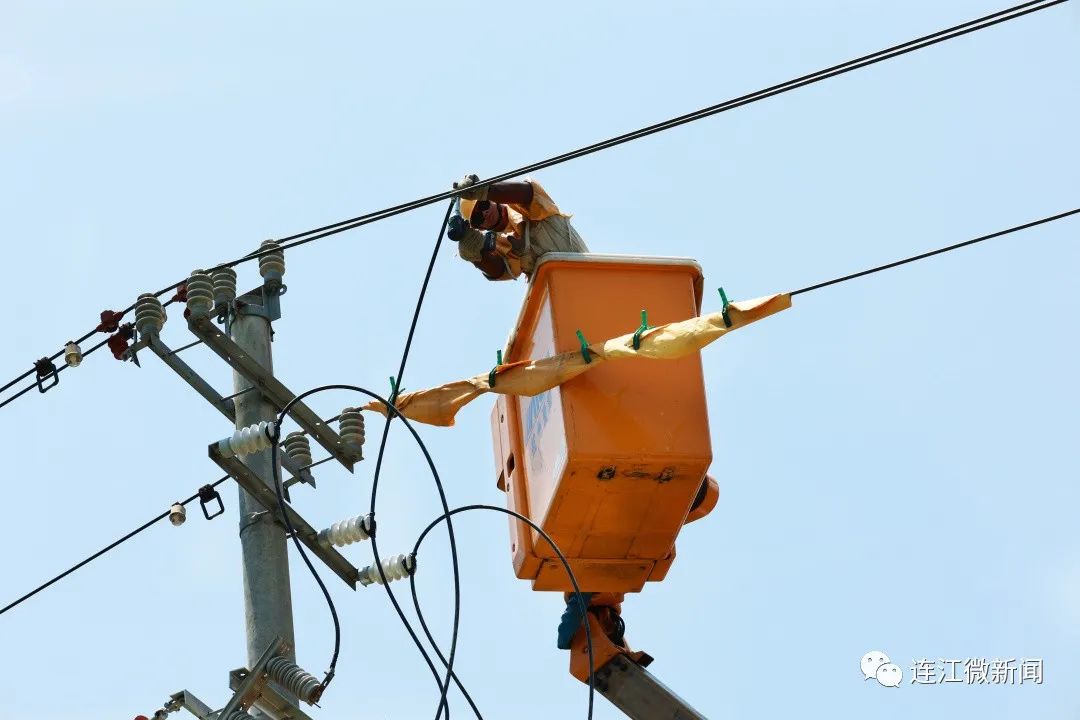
[103, 550]
[939, 251]
[302, 238]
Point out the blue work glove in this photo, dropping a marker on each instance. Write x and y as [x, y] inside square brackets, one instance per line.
[456, 227]
[571, 620]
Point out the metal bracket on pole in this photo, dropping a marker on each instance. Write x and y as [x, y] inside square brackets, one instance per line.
[266, 496]
[224, 405]
[270, 701]
[248, 689]
[192, 704]
[272, 389]
[639, 695]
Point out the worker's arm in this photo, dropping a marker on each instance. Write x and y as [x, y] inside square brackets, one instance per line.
[511, 193]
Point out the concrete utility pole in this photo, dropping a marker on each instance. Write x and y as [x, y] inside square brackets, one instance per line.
[267, 594]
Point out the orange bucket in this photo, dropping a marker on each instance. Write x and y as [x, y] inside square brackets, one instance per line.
[609, 463]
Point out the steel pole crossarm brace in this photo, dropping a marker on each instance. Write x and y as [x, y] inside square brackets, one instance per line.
[270, 701]
[272, 389]
[266, 497]
[224, 405]
[192, 704]
[248, 689]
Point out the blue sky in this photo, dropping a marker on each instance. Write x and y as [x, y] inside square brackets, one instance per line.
[895, 454]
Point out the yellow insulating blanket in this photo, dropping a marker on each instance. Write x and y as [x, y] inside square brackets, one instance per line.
[439, 405]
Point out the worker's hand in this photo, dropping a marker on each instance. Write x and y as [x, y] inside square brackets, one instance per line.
[489, 241]
[468, 184]
[456, 227]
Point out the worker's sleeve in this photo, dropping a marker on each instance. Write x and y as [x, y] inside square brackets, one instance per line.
[542, 206]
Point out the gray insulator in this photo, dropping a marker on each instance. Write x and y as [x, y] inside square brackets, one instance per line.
[271, 265]
[290, 676]
[200, 294]
[237, 715]
[351, 430]
[298, 447]
[224, 280]
[149, 315]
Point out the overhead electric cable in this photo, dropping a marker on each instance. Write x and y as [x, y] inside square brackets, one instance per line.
[302, 238]
[103, 550]
[444, 685]
[939, 251]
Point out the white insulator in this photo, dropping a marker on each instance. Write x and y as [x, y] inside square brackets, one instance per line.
[248, 440]
[293, 678]
[224, 281]
[200, 294]
[351, 430]
[177, 514]
[72, 354]
[271, 265]
[346, 532]
[149, 314]
[394, 567]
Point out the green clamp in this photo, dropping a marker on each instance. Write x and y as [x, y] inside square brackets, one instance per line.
[491, 375]
[394, 390]
[727, 319]
[584, 347]
[643, 328]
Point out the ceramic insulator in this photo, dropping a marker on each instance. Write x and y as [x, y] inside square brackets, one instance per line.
[224, 281]
[72, 355]
[394, 567]
[200, 294]
[346, 532]
[149, 314]
[272, 265]
[293, 678]
[248, 440]
[298, 447]
[351, 429]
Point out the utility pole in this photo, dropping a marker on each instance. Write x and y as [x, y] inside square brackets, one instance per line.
[267, 593]
[272, 685]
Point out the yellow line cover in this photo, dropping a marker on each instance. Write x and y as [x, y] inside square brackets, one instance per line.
[439, 405]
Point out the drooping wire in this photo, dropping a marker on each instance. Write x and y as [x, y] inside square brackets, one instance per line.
[444, 685]
[102, 551]
[939, 251]
[391, 410]
[307, 236]
[562, 558]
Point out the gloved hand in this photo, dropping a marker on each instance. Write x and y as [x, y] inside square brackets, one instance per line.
[456, 227]
[473, 192]
[571, 620]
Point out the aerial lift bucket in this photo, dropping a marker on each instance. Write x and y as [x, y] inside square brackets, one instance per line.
[610, 463]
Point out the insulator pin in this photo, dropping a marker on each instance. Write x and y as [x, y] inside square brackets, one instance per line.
[177, 514]
[351, 430]
[72, 355]
[394, 567]
[346, 532]
[149, 314]
[271, 265]
[200, 294]
[294, 679]
[246, 441]
[298, 447]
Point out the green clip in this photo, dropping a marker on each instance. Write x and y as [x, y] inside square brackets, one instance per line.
[584, 348]
[727, 319]
[643, 328]
[393, 390]
[491, 375]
